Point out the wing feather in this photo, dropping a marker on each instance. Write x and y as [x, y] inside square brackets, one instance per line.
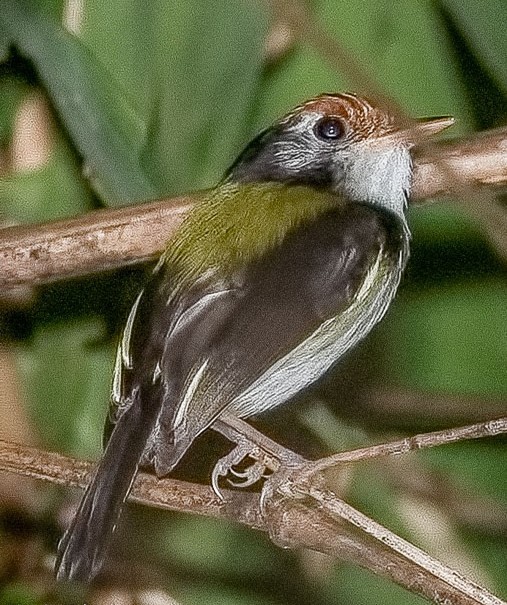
[216, 340]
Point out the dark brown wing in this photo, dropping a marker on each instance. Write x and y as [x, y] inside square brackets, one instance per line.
[187, 357]
[277, 303]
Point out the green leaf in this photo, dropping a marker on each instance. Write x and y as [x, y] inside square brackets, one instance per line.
[478, 465]
[120, 33]
[11, 94]
[16, 593]
[51, 192]
[480, 23]
[68, 377]
[208, 58]
[355, 586]
[222, 595]
[4, 44]
[449, 338]
[300, 75]
[196, 543]
[97, 114]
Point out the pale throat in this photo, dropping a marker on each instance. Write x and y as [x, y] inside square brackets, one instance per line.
[380, 177]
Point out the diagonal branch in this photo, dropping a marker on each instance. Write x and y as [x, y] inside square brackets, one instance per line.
[109, 239]
[296, 508]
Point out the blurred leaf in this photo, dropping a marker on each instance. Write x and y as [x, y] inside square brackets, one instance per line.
[356, 586]
[485, 97]
[11, 93]
[410, 62]
[4, 44]
[222, 596]
[479, 22]
[50, 192]
[493, 554]
[299, 75]
[18, 594]
[395, 43]
[120, 33]
[98, 116]
[53, 8]
[444, 222]
[197, 542]
[204, 93]
[67, 376]
[450, 338]
[478, 466]
[377, 503]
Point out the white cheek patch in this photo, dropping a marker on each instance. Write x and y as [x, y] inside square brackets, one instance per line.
[379, 177]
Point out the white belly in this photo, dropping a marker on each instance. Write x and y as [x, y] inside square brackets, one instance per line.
[323, 348]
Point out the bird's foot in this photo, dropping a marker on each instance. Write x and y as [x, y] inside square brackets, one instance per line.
[267, 455]
[225, 466]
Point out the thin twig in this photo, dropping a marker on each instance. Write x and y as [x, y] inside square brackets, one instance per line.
[489, 428]
[265, 450]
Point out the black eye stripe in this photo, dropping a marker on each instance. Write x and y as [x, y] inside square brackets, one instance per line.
[329, 128]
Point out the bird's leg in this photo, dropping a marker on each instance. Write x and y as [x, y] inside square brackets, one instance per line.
[266, 453]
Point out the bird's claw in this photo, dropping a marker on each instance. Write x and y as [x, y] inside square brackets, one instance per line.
[225, 465]
[250, 475]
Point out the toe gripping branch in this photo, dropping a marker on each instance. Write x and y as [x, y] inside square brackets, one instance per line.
[267, 455]
[331, 525]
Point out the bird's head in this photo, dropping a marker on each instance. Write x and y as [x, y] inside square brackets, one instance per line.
[342, 143]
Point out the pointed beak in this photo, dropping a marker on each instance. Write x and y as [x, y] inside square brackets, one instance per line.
[427, 127]
[424, 128]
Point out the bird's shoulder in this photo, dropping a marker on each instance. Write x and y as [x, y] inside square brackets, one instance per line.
[234, 224]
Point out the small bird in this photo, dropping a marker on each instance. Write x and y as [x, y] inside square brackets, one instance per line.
[273, 276]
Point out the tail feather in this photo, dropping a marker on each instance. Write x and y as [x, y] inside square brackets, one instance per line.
[83, 548]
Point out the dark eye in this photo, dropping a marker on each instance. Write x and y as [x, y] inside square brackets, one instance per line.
[329, 129]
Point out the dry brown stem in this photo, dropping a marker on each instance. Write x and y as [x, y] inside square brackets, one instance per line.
[109, 239]
[296, 509]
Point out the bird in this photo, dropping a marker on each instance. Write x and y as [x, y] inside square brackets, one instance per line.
[275, 273]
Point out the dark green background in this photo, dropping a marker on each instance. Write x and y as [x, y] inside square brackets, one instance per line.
[152, 99]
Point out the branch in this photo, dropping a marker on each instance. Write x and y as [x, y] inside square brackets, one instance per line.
[109, 239]
[168, 494]
[489, 428]
[336, 528]
[355, 537]
[295, 508]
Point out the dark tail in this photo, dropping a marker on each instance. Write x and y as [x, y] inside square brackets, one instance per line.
[83, 547]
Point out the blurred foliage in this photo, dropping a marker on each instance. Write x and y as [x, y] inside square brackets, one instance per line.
[156, 98]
